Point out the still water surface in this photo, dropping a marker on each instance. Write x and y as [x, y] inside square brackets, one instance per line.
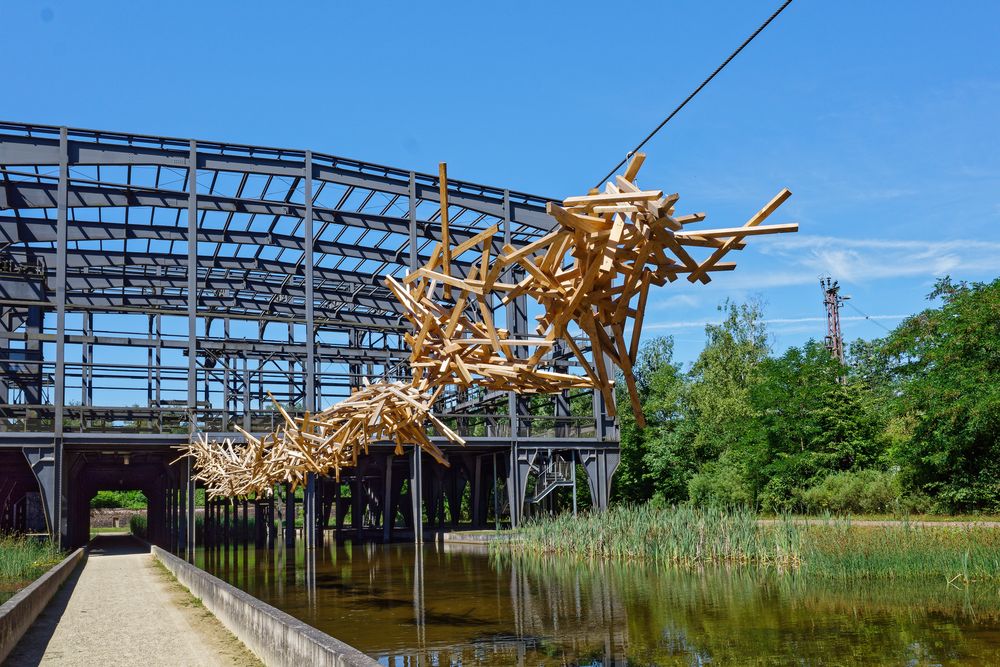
[455, 606]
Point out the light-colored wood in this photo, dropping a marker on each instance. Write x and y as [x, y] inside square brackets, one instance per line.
[592, 274]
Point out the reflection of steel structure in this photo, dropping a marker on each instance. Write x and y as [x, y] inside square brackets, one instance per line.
[141, 299]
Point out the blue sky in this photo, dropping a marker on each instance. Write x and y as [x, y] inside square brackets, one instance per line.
[881, 117]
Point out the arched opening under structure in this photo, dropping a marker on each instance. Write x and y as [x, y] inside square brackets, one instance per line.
[21, 503]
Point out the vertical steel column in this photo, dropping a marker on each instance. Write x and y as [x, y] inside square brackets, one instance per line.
[86, 370]
[59, 523]
[309, 401]
[183, 528]
[512, 403]
[192, 314]
[149, 362]
[192, 487]
[416, 473]
[158, 371]
[226, 379]
[192, 281]
[246, 395]
[388, 516]
[572, 455]
[511, 316]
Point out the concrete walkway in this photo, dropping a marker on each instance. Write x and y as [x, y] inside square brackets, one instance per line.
[122, 608]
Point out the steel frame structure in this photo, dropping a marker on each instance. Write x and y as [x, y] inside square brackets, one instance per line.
[152, 286]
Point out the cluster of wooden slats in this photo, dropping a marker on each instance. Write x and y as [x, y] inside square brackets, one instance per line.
[334, 438]
[230, 469]
[322, 443]
[594, 273]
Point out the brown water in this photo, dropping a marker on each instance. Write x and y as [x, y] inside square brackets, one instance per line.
[454, 606]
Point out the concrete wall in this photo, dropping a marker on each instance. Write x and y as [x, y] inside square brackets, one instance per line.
[277, 638]
[19, 612]
[105, 517]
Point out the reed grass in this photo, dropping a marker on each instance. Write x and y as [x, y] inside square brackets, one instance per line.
[678, 535]
[834, 548]
[23, 558]
[841, 550]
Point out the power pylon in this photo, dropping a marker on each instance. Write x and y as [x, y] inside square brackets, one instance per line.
[832, 300]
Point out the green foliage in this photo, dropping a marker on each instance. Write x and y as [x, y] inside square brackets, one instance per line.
[842, 551]
[680, 535]
[800, 431]
[855, 492]
[652, 464]
[133, 500]
[947, 364]
[23, 558]
[834, 549]
[137, 526]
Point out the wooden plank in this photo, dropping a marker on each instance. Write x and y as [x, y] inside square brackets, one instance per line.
[757, 218]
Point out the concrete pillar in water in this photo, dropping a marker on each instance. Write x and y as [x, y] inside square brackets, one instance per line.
[388, 516]
[416, 495]
[289, 516]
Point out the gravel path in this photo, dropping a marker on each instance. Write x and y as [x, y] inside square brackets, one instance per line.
[122, 608]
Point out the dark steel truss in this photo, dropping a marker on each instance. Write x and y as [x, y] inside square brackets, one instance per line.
[216, 235]
[152, 286]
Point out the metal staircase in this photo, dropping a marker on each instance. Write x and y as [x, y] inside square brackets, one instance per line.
[554, 474]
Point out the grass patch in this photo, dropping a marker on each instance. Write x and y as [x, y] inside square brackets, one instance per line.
[829, 548]
[25, 559]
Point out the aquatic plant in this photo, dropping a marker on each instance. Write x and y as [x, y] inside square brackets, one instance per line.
[962, 554]
[679, 535]
[834, 548]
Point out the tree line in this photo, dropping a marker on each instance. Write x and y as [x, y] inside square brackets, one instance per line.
[910, 423]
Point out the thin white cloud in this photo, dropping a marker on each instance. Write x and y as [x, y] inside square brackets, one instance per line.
[803, 258]
[694, 324]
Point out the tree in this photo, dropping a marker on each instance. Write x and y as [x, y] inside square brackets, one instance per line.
[811, 425]
[718, 414]
[659, 382]
[947, 366]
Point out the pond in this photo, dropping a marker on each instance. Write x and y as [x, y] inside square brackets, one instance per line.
[455, 605]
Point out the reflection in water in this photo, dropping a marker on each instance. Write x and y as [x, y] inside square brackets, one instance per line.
[441, 605]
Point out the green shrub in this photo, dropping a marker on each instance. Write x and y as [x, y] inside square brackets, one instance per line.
[861, 492]
[137, 525]
[26, 558]
[133, 500]
[719, 484]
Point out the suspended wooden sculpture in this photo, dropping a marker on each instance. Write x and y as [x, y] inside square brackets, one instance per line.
[333, 439]
[593, 272]
[231, 469]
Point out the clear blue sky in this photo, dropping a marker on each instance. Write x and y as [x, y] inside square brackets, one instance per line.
[881, 117]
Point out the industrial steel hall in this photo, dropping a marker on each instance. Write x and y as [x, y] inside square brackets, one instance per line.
[153, 289]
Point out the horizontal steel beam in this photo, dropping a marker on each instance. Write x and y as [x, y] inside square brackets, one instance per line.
[33, 195]
[78, 259]
[177, 303]
[232, 347]
[26, 151]
[382, 299]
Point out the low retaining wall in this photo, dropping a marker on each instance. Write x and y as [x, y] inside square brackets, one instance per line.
[18, 613]
[277, 638]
